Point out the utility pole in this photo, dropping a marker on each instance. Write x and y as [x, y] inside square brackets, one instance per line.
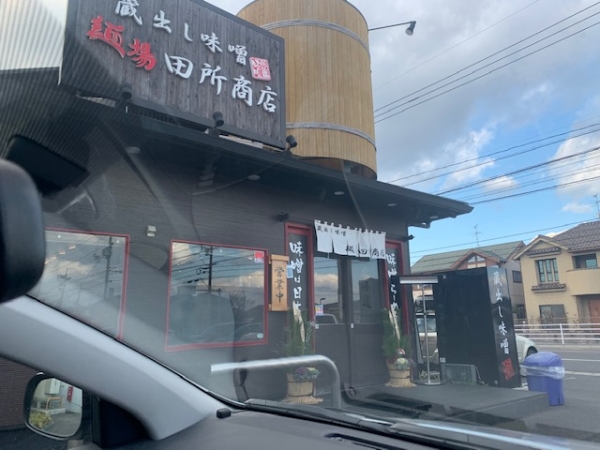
[597, 206]
[107, 254]
[477, 233]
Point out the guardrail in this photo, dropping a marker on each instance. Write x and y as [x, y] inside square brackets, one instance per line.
[561, 333]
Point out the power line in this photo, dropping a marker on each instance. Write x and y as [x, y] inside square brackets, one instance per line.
[484, 75]
[456, 45]
[497, 152]
[535, 191]
[464, 244]
[504, 157]
[496, 53]
[531, 183]
[524, 169]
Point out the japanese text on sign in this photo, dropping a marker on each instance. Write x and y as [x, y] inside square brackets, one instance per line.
[298, 280]
[279, 285]
[141, 54]
[502, 326]
[392, 270]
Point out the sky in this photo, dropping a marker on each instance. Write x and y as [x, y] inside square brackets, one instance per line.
[531, 105]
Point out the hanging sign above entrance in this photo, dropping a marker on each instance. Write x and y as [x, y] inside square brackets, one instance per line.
[183, 58]
[348, 241]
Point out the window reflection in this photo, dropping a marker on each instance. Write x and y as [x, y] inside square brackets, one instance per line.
[328, 294]
[217, 295]
[366, 291]
[431, 324]
[84, 276]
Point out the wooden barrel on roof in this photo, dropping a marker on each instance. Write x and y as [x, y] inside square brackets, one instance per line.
[328, 79]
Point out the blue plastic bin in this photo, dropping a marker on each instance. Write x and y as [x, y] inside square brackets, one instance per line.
[545, 372]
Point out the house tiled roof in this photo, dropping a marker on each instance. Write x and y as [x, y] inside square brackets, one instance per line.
[583, 237]
[444, 261]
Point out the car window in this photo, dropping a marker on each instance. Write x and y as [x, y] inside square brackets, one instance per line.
[256, 193]
[13, 432]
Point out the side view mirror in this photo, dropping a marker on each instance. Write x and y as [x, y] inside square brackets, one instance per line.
[53, 408]
[22, 240]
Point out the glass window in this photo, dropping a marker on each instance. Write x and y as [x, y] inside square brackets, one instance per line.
[327, 288]
[553, 314]
[475, 261]
[586, 261]
[366, 291]
[431, 325]
[517, 276]
[521, 312]
[547, 270]
[84, 276]
[217, 295]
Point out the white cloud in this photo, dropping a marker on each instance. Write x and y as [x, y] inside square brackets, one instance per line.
[536, 92]
[577, 208]
[468, 149]
[500, 184]
[579, 169]
[29, 49]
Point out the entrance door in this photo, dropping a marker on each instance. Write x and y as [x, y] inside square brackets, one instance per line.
[345, 297]
[366, 330]
[332, 312]
[348, 297]
[594, 306]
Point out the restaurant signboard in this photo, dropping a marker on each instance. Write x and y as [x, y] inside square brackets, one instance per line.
[504, 330]
[184, 58]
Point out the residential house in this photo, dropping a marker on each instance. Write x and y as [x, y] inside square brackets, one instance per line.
[501, 255]
[561, 276]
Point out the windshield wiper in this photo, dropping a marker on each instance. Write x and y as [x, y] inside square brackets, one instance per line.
[408, 409]
[325, 415]
[355, 421]
[433, 433]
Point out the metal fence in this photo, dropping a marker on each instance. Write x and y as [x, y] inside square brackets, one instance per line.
[561, 333]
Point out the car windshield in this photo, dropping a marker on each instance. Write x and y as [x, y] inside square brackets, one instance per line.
[229, 184]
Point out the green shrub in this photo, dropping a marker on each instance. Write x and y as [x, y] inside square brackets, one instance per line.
[394, 345]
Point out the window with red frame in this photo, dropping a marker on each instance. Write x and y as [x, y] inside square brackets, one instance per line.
[85, 276]
[217, 295]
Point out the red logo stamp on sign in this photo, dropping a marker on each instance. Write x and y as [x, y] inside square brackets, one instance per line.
[507, 368]
[260, 69]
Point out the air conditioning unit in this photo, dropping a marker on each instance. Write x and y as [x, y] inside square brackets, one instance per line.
[460, 373]
[52, 386]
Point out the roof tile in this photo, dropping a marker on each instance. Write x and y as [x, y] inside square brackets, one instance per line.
[444, 261]
[583, 237]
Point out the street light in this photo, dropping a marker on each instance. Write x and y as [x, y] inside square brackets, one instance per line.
[409, 30]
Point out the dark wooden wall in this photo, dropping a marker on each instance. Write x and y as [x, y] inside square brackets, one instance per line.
[231, 212]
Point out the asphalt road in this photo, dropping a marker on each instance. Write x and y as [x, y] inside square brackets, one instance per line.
[578, 417]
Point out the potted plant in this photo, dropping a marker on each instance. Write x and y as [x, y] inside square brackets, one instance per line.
[299, 342]
[394, 349]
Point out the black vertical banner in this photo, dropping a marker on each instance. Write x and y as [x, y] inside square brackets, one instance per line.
[504, 331]
[298, 290]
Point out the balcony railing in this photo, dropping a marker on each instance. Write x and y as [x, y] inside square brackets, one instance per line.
[584, 281]
[549, 287]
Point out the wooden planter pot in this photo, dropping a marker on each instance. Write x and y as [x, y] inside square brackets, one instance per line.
[399, 378]
[301, 391]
